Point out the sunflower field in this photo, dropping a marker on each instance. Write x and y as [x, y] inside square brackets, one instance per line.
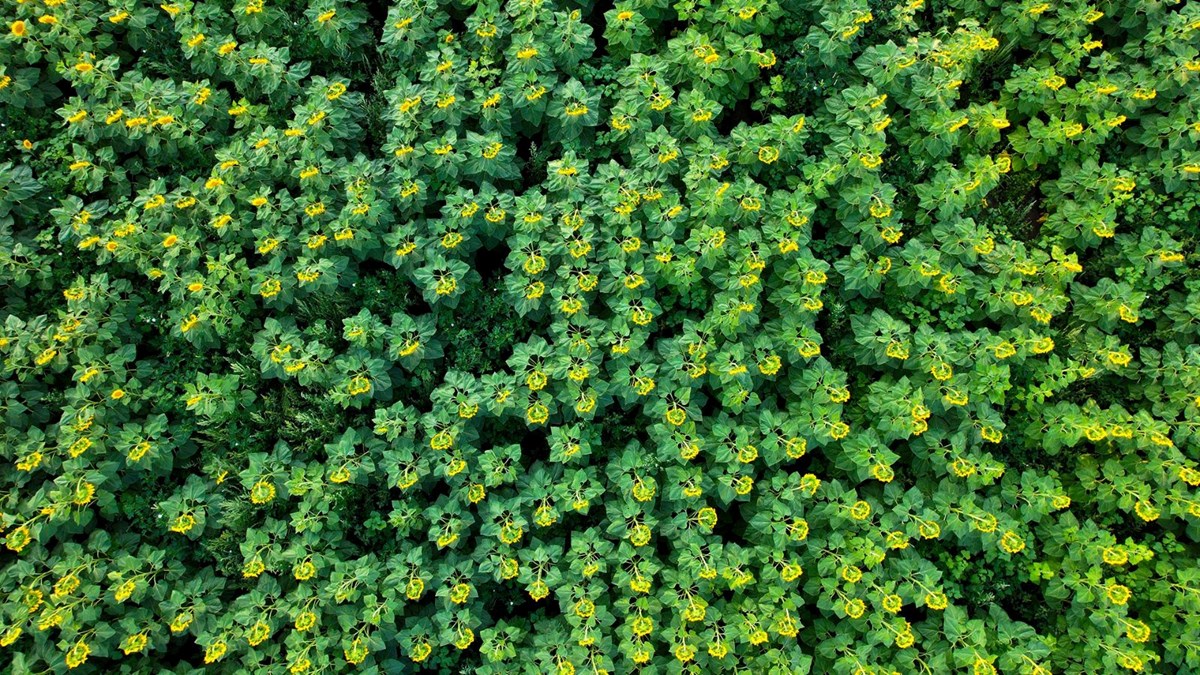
[852, 337]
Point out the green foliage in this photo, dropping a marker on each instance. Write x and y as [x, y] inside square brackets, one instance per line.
[536, 336]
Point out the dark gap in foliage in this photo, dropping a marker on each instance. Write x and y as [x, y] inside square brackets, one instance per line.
[798, 99]
[535, 447]
[732, 524]
[819, 226]
[1116, 34]
[414, 388]
[500, 433]
[516, 607]
[677, 307]
[833, 323]
[443, 663]
[371, 83]
[481, 332]
[507, 601]
[595, 19]
[742, 111]
[524, 149]
[668, 548]
[1125, 526]
[306, 421]
[63, 87]
[365, 526]
[458, 20]
[533, 158]
[928, 18]
[1028, 604]
[712, 403]
[439, 489]
[668, 28]
[806, 464]
[1103, 386]
[620, 426]
[489, 262]
[913, 614]
[181, 651]
[990, 75]
[377, 11]
[384, 290]
[1014, 208]
[138, 507]
[270, 414]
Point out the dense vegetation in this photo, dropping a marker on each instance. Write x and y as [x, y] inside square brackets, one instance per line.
[755, 336]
